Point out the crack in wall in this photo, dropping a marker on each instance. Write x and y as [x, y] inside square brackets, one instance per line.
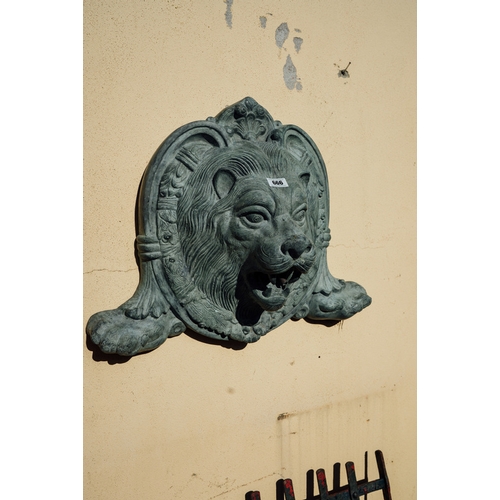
[357, 245]
[110, 271]
[244, 485]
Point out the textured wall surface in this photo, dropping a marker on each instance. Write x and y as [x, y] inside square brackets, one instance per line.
[196, 420]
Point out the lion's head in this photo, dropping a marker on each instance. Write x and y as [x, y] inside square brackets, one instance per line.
[244, 227]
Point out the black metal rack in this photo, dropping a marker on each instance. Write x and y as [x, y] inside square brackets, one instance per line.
[353, 490]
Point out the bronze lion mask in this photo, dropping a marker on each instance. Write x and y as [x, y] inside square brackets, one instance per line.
[233, 230]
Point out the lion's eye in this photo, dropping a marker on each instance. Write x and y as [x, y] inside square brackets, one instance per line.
[254, 215]
[254, 218]
[300, 214]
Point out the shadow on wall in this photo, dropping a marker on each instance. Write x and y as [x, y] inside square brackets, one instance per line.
[112, 359]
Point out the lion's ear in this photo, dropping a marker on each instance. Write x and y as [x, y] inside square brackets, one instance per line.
[223, 183]
[305, 178]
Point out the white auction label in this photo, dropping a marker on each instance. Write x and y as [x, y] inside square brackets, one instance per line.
[277, 182]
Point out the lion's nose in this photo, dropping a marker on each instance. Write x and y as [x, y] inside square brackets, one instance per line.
[295, 246]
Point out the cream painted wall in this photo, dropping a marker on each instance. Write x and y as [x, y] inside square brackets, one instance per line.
[196, 420]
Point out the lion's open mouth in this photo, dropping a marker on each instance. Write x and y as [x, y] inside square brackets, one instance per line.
[272, 290]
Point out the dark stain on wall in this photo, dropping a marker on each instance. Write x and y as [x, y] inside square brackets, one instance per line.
[281, 35]
[297, 41]
[229, 13]
[290, 75]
